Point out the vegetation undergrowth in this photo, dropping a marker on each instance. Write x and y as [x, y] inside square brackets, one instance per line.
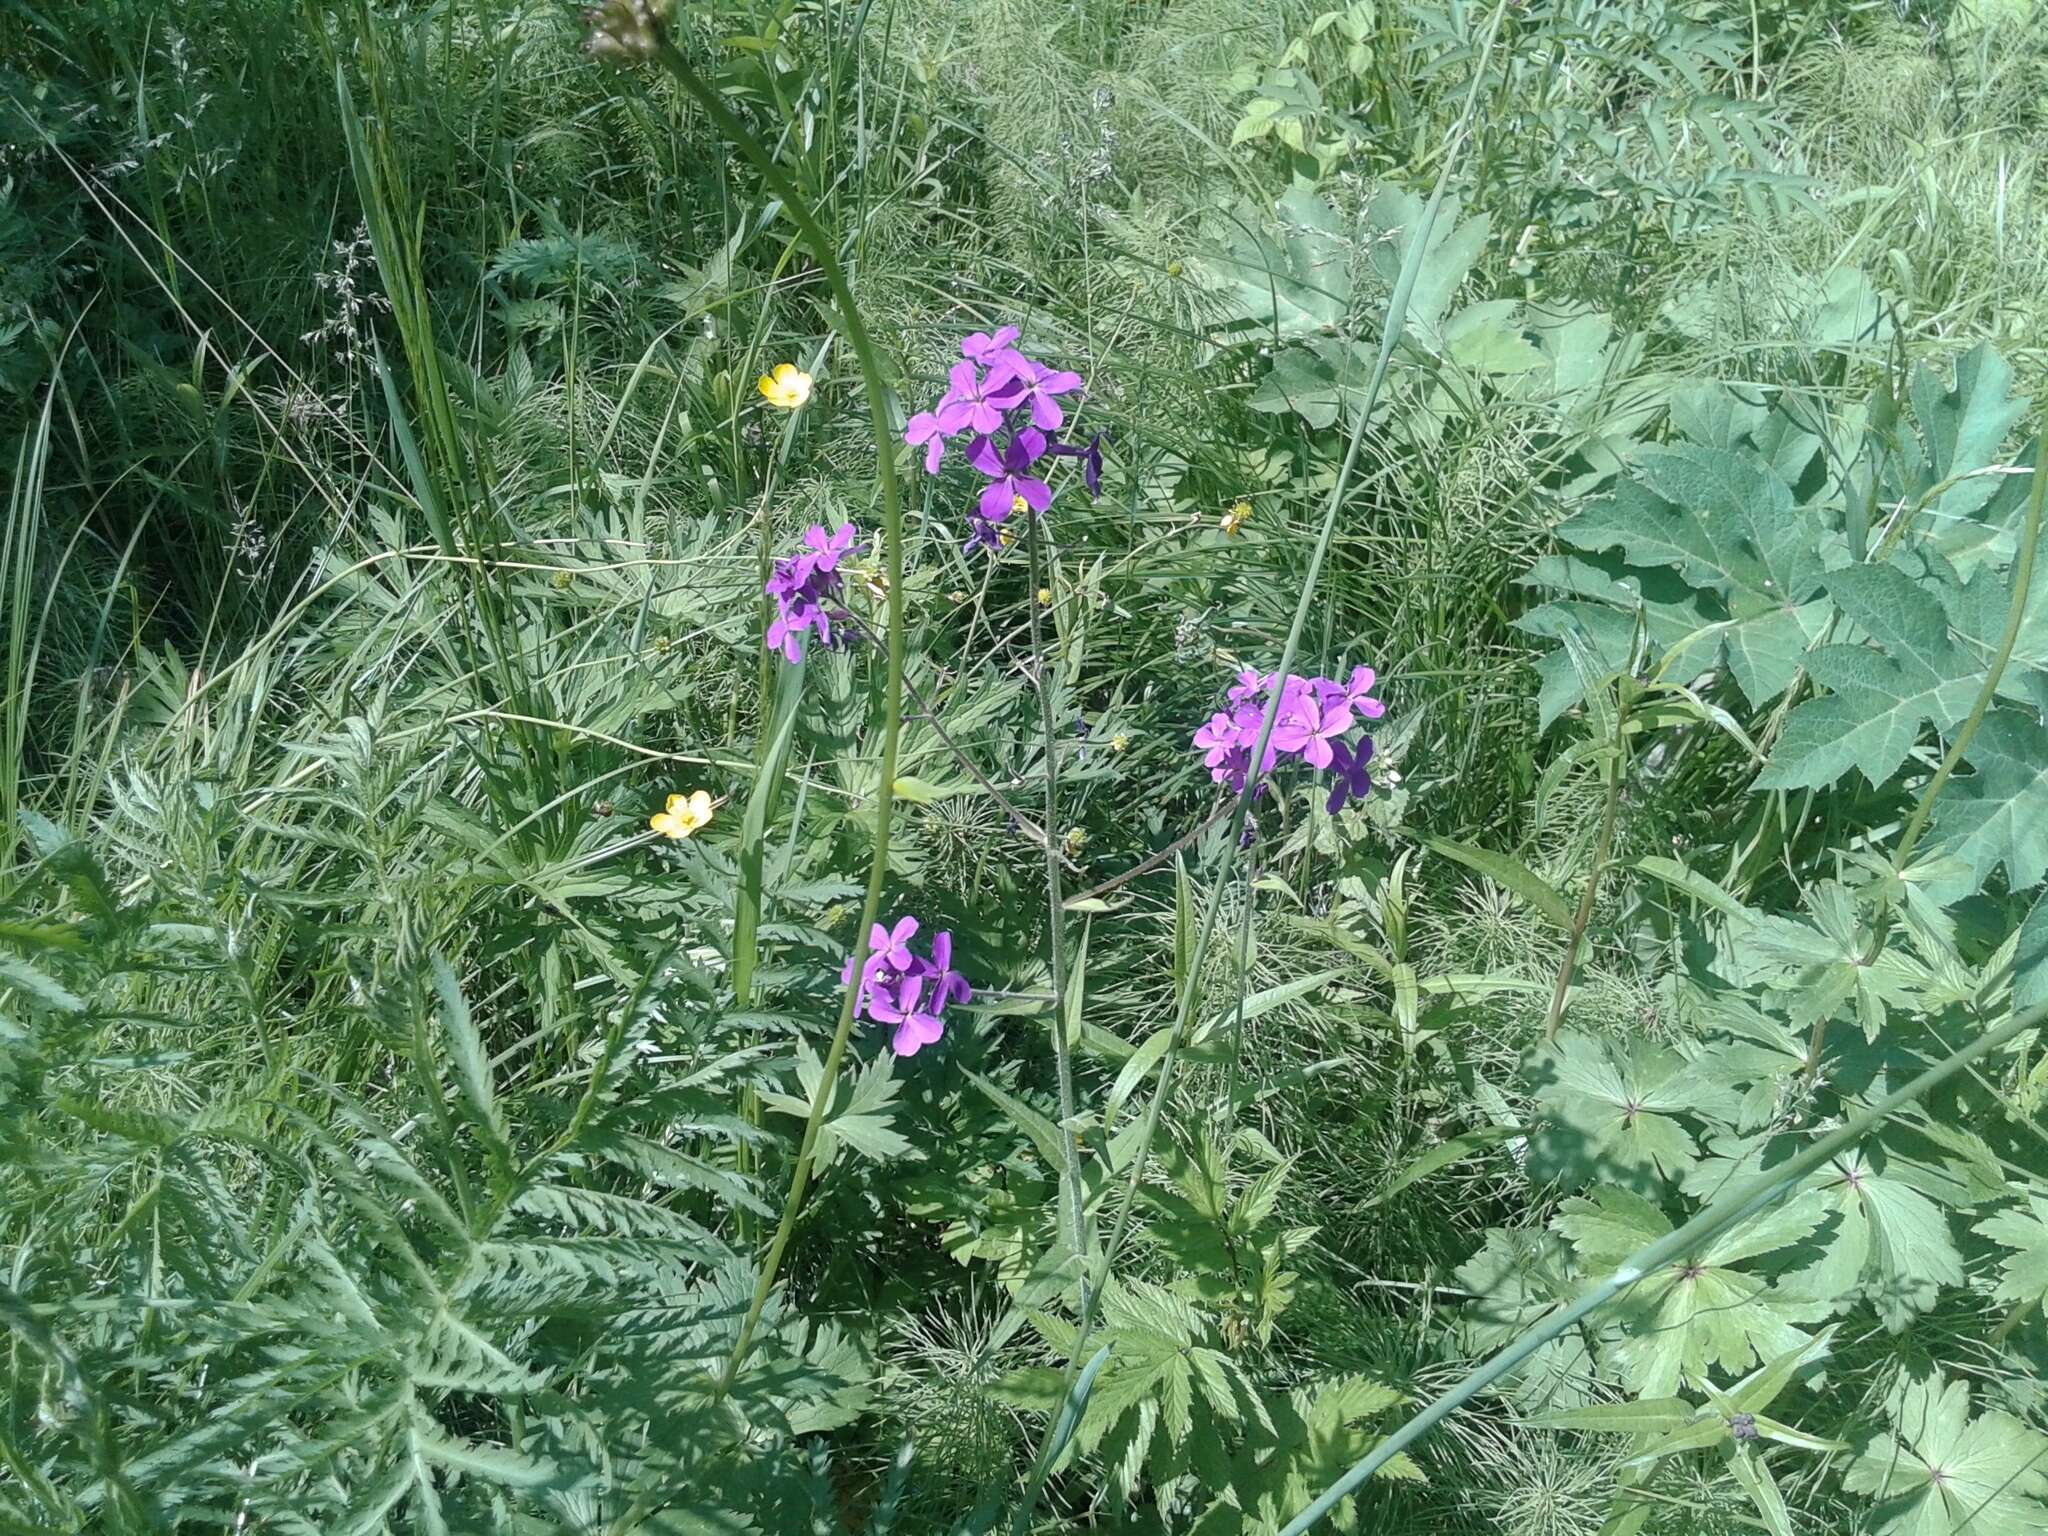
[958, 766]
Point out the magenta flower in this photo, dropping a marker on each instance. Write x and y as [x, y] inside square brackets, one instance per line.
[1359, 691]
[975, 403]
[989, 350]
[1090, 455]
[1312, 721]
[801, 585]
[924, 428]
[1040, 387]
[911, 991]
[1315, 716]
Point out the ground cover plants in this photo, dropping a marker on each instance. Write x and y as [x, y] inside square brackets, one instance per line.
[968, 766]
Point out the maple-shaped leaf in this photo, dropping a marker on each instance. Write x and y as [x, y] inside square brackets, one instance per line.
[1818, 961]
[1699, 1315]
[1883, 1240]
[1950, 467]
[1999, 813]
[1513, 1280]
[2025, 1269]
[1609, 1112]
[1942, 1473]
[1734, 531]
[1880, 698]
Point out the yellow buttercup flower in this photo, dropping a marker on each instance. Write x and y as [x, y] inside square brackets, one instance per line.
[787, 388]
[685, 815]
[1236, 518]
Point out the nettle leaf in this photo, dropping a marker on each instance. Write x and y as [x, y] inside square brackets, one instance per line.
[1942, 1473]
[1700, 1315]
[1998, 814]
[1609, 1113]
[1736, 535]
[2025, 1231]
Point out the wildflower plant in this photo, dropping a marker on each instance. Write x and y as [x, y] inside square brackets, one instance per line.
[901, 987]
[1315, 720]
[1003, 407]
[805, 588]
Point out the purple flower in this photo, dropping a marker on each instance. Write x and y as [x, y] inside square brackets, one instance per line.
[911, 991]
[1090, 455]
[1349, 778]
[989, 350]
[1359, 691]
[893, 944]
[976, 403]
[1040, 386]
[801, 586]
[924, 428]
[950, 986]
[827, 549]
[982, 534]
[1315, 715]
[1011, 484]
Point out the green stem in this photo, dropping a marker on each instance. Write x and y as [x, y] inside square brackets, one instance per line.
[798, 208]
[1717, 1218]
[1397, 309]
[1610, 810]
[1916, 824]
[1056, 920]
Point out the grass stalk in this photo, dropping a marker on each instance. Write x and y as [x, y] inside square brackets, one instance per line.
[849, 322]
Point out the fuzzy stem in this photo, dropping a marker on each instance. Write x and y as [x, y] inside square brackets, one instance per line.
[849, 322]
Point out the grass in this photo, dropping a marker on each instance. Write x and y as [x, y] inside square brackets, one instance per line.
[388, 1116]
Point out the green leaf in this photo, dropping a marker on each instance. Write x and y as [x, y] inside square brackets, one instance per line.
[1942, 1473]
[1732, 528]
[1289, 275]
[1445, 1153]
[1999, 813]
[1511, 874]
[859, 1117]
[1879, 702]
[2024, 1271]
[42, 989]
[2030, 960]
[1610, 1113]
[472, 1066]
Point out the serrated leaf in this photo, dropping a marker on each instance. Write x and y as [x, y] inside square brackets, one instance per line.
[2024, 1230]
[1941, 1473]
[1610, 1113]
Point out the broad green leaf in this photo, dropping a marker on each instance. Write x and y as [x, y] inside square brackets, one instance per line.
[1733, 530]
[1941, 1473]
[2024, 1271]
[1999, 813]
[1288, 274]
[1610, 1113]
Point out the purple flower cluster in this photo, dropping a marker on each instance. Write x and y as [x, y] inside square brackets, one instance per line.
[801, 586]
[908, 990]
[1006, 406]
[1317, 715]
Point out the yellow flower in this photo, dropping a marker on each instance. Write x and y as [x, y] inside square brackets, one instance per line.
[1019, 507]
[1120, 742]
[1236, 518]
[1045, 597]
[787, 388]
[685, 815]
